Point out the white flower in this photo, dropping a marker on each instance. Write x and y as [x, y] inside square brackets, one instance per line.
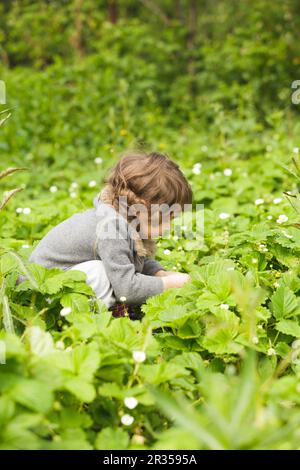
[224, 306]
[211, 176]
[227, 172]
[175, 237]
[25, 246]
[270, 217]
[19, 210]
[276, 284]
[92, 184]
[262, 247]
[130, 402]
[60, 345]
[98, 160]
[139, 356]
[174, 268]
[65, 311]
[287, 235]
[204, 148]
[53, 189]
[123, 298]
[73, 194]
[271, 352]
[254, 260]
[74, 185]
[295, 150]
[259, 201]
[255, 340]
[167, 251]
[137, 439]
[197, 169]
[69, 349]
[27, 210]
[277, 200]
[49, 301]
[224, 215]
[282, 218]
[127, 420]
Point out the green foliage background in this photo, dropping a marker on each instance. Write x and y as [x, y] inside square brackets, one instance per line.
[206, 82]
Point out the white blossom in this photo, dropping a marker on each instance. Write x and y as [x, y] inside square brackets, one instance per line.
[69, 349]
[204, 148]
[139, 356]
[74, 185]
[259, 201]
[224, 215]
[98, 160]
[296, 150]
[282, 218]
[92, 184]
[197, 169]
[287, 235]
[262, 247]
[130, 402]
[254, 260]
[227, 172]
[167, 251]
[123, 298]
[60, 344]
[65, 311]
[73, 194]
[277, 200]
[53, 189]
[25, 246]
[138, 439]
[26, 210]
[19, 210]
[270, 217]
[271, 352]
[127, 420]
[255, 340]
[224, 306]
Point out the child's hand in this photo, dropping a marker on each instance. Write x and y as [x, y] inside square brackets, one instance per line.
[163, 273]
[176, 280]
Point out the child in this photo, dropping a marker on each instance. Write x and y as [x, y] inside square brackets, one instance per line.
[104, 242]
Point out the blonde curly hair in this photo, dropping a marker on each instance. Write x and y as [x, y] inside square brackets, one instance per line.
[146, 178]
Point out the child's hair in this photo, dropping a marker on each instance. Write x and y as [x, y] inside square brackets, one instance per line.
[148, 178]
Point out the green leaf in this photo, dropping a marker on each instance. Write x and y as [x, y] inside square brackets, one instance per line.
[112, 439]
[289, 327]
[283, 303]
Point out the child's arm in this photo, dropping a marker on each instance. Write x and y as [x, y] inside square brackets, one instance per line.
[115, 250]
[152, 267]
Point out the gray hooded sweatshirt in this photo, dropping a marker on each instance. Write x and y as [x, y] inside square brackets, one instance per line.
[101, 233]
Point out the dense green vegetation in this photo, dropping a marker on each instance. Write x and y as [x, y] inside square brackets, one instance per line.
[215, 364]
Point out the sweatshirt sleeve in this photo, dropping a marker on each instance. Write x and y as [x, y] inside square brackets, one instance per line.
[151, 266]
[115, 249]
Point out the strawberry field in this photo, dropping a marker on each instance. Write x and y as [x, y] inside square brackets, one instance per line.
[215, 364]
